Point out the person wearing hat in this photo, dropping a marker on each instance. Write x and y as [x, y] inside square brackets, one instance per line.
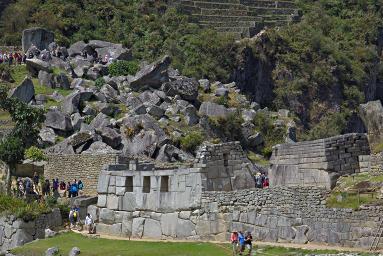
[234, 241]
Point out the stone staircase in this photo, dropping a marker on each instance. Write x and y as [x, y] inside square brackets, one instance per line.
[243, 18]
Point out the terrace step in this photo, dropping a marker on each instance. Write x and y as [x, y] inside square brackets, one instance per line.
[245, 17]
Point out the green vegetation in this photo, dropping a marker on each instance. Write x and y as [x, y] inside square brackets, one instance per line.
[123, 68]
[356, 190]
[35, 154]
[191, 141]
[257, 159]
[22, 209]
[229, 127]
[271, 133]
[149, 28]
[99, 83]
[222, 100]
[98, 246]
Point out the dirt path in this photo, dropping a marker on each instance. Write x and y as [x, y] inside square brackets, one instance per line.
[310, 246]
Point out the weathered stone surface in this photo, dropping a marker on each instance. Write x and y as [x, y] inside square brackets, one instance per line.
[99, 147]
[107, 216]
[47, 136]
[25, 92]
[77, 48]
[185, 87]
[57, 120]
[62, 81]
[46, 79]
[169, 153]
[39, 37]
[138, 227]
[372, 116]
[35, 65]
[52, 251]
[74, 251]
[71, 103]
[101, 120]
[152, 228]
[185, 228]
[115, 52]
[152, 75]
[211, 109]
[110, 136]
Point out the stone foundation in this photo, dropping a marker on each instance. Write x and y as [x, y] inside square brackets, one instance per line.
[16, 232]
[281, 214]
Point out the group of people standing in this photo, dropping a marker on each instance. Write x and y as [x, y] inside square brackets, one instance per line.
[240, 242]
[12, 58]
[27, 186]
[261, 180]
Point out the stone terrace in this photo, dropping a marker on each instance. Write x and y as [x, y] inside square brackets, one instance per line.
[244, 18]
[319, 162]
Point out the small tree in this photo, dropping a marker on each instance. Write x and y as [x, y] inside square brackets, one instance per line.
[27, 125]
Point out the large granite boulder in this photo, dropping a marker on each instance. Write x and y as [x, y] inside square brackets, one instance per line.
[143, 143]
[185, 87]
[110, 136]
[101, 120]
[211, 109]
[77, 48]
[71, 103]
[81, 66]
[58, 121]
[46, 79]
[99, 147]
[152, 75]
[35, 65]
[25, 92]
[115, 52]
[62, 81]
[170, 153]
[372, 116]
[39, 37]
[47, 136]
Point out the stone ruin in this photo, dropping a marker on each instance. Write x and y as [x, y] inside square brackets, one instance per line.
[317, 163]
[217, 194]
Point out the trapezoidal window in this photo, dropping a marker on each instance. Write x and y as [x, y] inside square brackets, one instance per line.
[164, 184]
[146, 185]
[129, 184]
[225, 159]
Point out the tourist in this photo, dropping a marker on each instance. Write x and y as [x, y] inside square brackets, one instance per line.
[234, 242]
[89, 224]
[20, 188]
[62, 189]
[258, 180]
[80, 186]
[69, 189]
[241, 242]
[28, 186]
[46, 188]
[266, 182]
[72, 216]
[74, 189]
[248, 242]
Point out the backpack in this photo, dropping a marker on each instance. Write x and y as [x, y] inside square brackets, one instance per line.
[75, 214]
[74, 188]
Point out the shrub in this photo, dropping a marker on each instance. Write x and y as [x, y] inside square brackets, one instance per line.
[35, 154]
[228, 128]
[123, 68]
[21, 209]
[222, 100]
[99, 83]
[192, 141]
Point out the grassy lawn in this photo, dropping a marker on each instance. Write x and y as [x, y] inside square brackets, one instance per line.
[100, 246]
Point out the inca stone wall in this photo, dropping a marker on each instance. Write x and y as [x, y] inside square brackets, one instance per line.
[319, 162]
[280, 214]
[84, 167]
[16, 232]
[244, 18]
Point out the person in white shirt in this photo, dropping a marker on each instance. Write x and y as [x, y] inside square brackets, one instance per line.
[89, 223]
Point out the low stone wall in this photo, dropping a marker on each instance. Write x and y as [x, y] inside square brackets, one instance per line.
[16, 232]
[319, 162]
[84, 167]
[281, 214]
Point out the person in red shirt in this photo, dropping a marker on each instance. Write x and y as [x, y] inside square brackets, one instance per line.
[234, 242]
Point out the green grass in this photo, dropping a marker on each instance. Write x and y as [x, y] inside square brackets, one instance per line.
[99, 246]
[257, 159]
[40, 89]
[347, 187]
